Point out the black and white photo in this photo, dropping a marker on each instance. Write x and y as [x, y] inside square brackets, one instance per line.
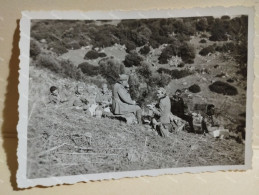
[108, 97]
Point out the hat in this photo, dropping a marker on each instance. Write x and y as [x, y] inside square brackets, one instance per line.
[123, 77]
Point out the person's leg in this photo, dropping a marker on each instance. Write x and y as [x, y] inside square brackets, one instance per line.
[164, 130]
[189, 119]
[204, 127]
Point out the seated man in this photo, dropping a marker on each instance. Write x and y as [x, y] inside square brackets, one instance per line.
[79, 101]
[54, 96]
[163, 112]
[121, 100]
[177, 108]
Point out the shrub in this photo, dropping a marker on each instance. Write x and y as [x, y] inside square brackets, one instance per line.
[160, 80]
[130, 46]
[144, 70]
[72, 45]
[111, 69]
[92, 54]
[34, 49]
[168, 52]
[187, 53]
[202, 24]
[230, 80]
[89, 69]
[175, 74]
[205, 51]
[132, 59]
[223, 88]
[181, 65]
[144, 50]
[57, 48]
[71, 71]
[49, 62]
[194, 88]
[203, 36]
[219, 30]
[203, 41]
[226, 47]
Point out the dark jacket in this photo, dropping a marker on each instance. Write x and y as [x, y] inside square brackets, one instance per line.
[177, 106]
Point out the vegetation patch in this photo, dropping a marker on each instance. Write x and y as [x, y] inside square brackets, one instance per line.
[144, 50]
[89, 69]
[91, 55]
[175, 74]
[194, 88]
[34, 49]
[133, 59]
[223, 88]
[205, 51]
[203, 41]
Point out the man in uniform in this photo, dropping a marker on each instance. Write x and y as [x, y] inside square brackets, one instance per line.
[177, 108]
[163, 112]
[121, 99]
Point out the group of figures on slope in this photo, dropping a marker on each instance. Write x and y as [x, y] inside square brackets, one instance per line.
[164, 116]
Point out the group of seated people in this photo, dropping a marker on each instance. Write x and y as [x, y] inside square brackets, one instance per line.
[165, 113]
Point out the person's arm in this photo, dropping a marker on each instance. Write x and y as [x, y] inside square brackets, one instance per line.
[125, 97]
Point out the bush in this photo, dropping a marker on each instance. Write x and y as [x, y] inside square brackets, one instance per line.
[187, 53]
[181, 65]
[89, 69]
[226, 47]
[160, 80]
[132, 59]
[130, 46]
[194, 88]
[71, 71]
[144, 70]
[205, 51]
[230, 80]
[168, 52]
[91, 55]
[72, 45]
[223, 88]
[49, 62]
[175, 74]
[57, 48]
[144, 50]
[34, 49]
[203, 41]
[203, 36]
[202, 24]
[219, 30]
[111, 69]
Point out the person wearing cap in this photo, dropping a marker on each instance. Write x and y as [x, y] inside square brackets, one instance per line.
[163, 111]
[121, 99]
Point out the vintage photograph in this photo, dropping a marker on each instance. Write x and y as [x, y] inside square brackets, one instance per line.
[109, 96]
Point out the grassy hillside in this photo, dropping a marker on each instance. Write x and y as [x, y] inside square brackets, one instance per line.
[178, 53]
